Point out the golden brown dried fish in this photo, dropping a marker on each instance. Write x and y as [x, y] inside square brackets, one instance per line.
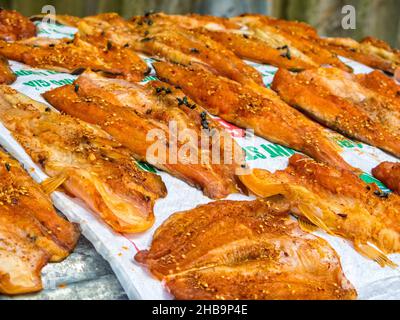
[293, 39]
[269, 116]
[232, 36]
[336, 201]
[172, 43]
[86, 160]
[244, 250]
[370, 51]
[31, 232]
[14, 26]
[74, 56]
[346, 103]
[131, 112]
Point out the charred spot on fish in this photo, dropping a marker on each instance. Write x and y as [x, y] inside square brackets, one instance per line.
[246, 36]
[148, 111]
[103, 33]
[48, 109]
[126, 45]
[369, 188]
[42, 160]
[381, 194]
[32, 237]
[182, 101]
[165, 90]
[296, 70]
[146, 33]
[146, 39]
[76, 88]
[398, 93]
[52, 45]
[204, 122]
[194, 50]
[286, 54]
[109, 45]
[342, 215]
[148, 71]
[8, 166]
[78, 71]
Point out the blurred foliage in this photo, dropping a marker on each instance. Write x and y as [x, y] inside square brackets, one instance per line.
[380, 18]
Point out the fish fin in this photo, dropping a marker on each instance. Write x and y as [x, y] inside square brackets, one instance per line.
[261, 187]
[310, 215]
[371, 253]
[51, 184]
[306, 225]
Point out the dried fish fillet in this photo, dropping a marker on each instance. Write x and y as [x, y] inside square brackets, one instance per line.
[133, 112]
[74, 56]
[244, 250]
[172, 43]
[348, 103]
[85, 160]
[31, 232]
[265, 112]
[336, 201]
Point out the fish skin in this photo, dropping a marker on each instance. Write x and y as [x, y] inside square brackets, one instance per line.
[262, 111]
[243, 250]
[345, 103]
[99, 170]
[130, 111]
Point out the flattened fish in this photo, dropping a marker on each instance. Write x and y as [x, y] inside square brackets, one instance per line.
[338, 202]
[31, 232]
[14, 26]
[244, 250]
[74, 56]
[389, 174]
[370, 51]
[172, 43]
[85, 160]
[28, 211]
[294, 40]
[346, 103]
[133, 112]
[243, 43]
[269, 116]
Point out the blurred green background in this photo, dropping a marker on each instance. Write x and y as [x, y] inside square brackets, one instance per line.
[380, 18]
